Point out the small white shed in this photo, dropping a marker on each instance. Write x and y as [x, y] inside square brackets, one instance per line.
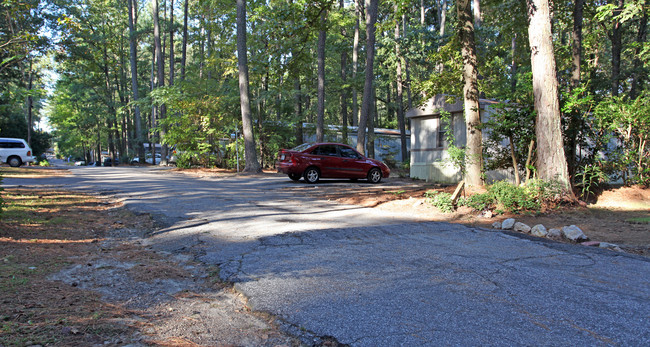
[428, 146]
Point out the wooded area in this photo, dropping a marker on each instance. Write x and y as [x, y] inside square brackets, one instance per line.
[572, 76]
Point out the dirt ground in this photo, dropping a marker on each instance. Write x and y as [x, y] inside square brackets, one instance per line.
[73, 273]
[619, 215]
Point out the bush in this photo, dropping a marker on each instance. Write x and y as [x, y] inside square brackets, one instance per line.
[43, 163]
[479, 202]
[184, 160]
[590, 177]
[514, 198]
[440, 200]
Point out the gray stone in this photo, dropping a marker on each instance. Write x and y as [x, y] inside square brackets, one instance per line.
[554, 233]
[521, 227]
[508, 223]
[539, 230]
[612, 246]
[496, 225]
[574, 233]
[486, 214]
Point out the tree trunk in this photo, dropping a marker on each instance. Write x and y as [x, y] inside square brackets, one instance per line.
[515, 163]
[30, 104]
[443, 17]
[400, 93]
[551, 163]
[474, 149]
[372, 115]
[355, 66]
[320, 116]
[134, 79]
[252, 165]
[617, 47]
[171, 43]
[344, 90]
[371, 18]
[184, 50]
[638, 76]
[576, 49]
[478, 15]
[576, 57]
[406, 68]
[160, 64]
[298, 111]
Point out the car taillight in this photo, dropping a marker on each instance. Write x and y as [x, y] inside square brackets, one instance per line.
[29, 153]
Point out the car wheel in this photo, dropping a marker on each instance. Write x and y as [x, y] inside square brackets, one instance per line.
[311, 175]
[14, 162]
[374, 175]
[294, 177]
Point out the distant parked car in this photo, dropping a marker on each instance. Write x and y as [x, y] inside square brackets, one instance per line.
[108, 161]
[80, 163]
[314, 161]
[15, 152]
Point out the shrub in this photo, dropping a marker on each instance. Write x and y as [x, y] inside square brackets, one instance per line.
[478, 202]
[44, 163]
[514, 198]
[184, 160]
[440, 200]
[590, 178]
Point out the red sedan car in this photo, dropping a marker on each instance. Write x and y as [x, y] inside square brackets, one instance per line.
[314, 161]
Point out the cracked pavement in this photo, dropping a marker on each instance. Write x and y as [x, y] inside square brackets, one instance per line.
[372, 278]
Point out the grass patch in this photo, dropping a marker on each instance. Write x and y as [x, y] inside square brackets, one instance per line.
[31, 172]
[640, 220]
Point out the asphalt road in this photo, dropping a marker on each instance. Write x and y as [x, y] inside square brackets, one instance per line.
[372, 278]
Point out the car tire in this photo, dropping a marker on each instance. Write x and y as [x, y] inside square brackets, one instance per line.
[374, 175]
[294, 177]
[311, 175]
[14, 162]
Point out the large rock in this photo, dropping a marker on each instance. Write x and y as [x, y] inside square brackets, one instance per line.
[539, 230]
[554, 233]
[574, 233]
[508, 223]
[521, 227]
[496, 225]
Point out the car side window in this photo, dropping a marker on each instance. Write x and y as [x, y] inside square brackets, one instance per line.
[348, 153]
[11, 144]
[328, 150]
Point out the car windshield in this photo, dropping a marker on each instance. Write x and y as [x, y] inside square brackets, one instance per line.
[302, 147]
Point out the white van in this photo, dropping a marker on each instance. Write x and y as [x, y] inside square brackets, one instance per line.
[15, 152]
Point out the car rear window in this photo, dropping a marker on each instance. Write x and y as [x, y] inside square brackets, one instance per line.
[302, 147]
[11, 144]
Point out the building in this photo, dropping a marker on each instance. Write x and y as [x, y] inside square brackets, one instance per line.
[429, 149]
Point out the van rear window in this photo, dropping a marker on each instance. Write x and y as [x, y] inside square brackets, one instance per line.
[11, 144]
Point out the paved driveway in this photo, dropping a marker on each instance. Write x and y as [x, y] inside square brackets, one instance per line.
[372, 278]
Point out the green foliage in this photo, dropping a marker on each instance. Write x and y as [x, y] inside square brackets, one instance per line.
[440, 200]
[512, 198]
[456, 154]
[628, 123]
[509, 123]
[479, 202]
[43, 163]
[590, 178]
